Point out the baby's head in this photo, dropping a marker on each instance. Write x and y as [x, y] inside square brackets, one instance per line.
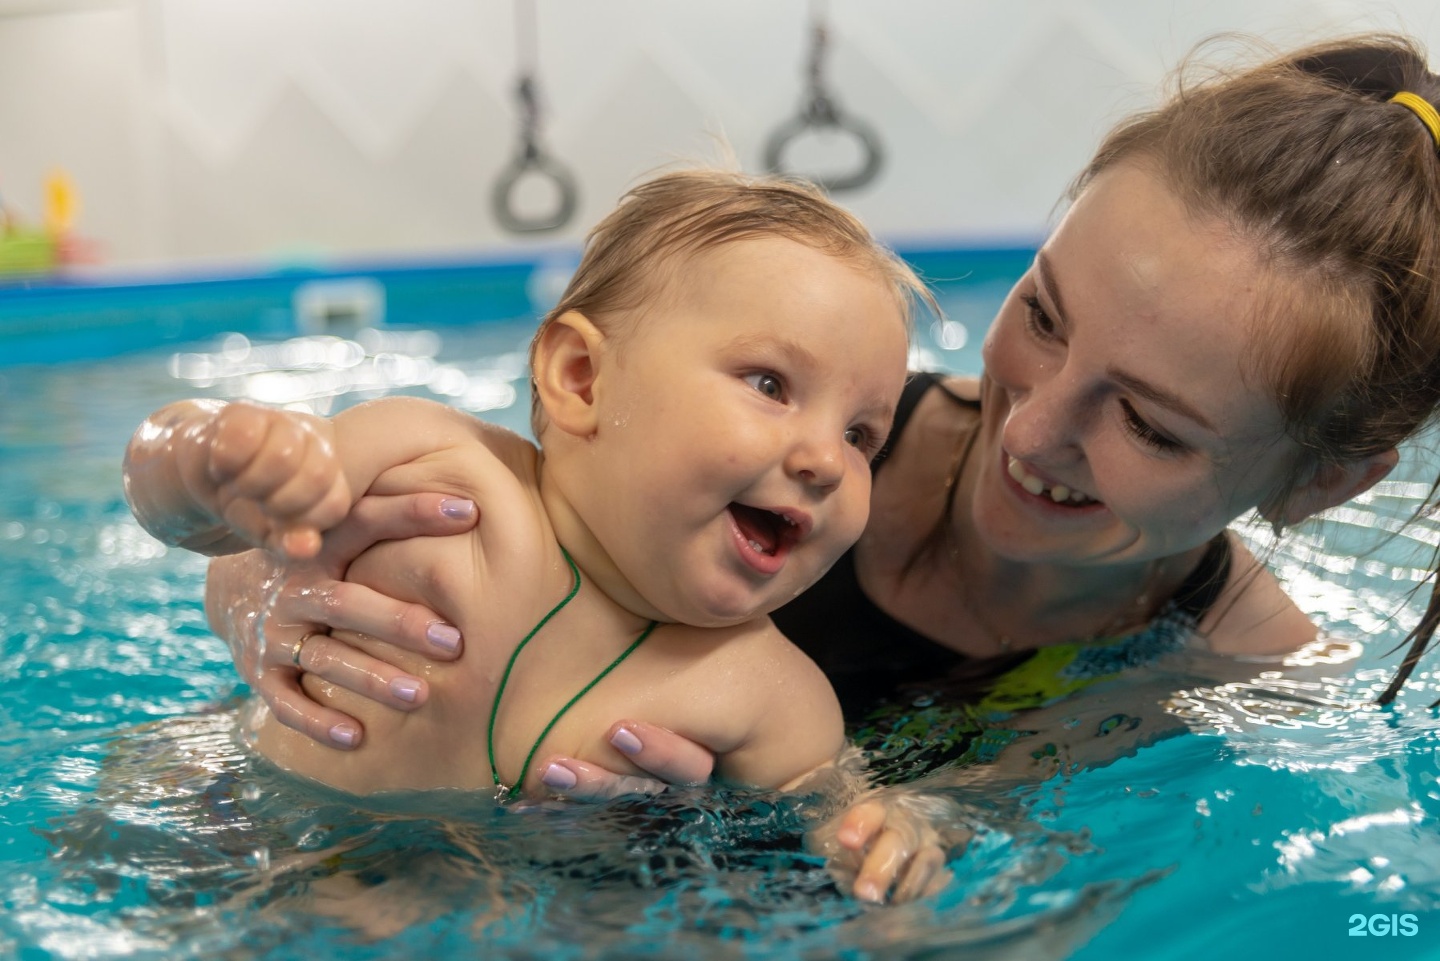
[711, 388]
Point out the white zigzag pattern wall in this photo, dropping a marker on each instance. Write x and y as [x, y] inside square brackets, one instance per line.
[221, 130]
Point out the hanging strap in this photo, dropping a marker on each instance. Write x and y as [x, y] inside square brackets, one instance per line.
[531, 160]
[820, 114]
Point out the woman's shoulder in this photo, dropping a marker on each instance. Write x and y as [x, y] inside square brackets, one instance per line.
[1253, 615]
[962, 387]
[946, 410]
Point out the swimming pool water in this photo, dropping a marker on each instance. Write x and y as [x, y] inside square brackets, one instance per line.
[132, 825]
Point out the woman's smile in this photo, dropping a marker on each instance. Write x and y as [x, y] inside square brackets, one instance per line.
[1037, 487]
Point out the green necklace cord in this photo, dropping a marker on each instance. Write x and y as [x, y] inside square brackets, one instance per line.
[502, 791]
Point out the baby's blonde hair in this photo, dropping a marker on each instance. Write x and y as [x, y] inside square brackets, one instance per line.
[632, 255]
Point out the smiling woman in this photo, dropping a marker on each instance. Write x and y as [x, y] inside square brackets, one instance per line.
[1122, 369]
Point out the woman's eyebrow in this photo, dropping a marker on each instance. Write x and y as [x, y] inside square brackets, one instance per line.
[1160, 397]
[1045, 277]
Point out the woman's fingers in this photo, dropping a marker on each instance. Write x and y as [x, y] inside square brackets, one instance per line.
[580, 781]
[665, 755]
[343, 606]
[662, 753]
[668, 757]
[392, 518]
[293, 708]
[353, 669]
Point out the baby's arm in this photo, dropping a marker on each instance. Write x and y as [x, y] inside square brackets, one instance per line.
[220, 478]
[790, 725]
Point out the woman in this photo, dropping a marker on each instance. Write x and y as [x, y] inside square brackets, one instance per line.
[1239, 312]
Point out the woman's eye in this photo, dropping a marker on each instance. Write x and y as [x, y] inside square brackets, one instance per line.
[1038, 322]
[1146, 434]
[767, 384]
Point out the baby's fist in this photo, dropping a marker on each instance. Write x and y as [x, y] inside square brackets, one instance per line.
[275, 476]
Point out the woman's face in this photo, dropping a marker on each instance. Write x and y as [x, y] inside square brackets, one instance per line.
[1121, 421]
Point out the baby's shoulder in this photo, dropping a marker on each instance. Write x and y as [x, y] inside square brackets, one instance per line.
[445, 449]
[757, 671]
[460, 455]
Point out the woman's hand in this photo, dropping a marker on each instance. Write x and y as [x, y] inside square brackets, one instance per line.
[666, 756]
[276, 617]
[895, 842]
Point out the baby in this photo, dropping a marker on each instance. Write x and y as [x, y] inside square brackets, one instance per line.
[707, 397]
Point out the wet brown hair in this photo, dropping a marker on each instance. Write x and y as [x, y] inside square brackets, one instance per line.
[634, 254]
[1339, 190]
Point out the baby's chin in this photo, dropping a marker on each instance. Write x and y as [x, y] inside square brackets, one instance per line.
[723, 610]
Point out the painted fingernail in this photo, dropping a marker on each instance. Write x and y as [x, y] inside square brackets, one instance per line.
[405, 688]
[443, 636]
[344, 734]
[559, 777]
[457, 508]
[626, 742]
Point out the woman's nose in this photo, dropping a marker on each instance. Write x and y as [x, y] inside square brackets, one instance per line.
[1044, 421]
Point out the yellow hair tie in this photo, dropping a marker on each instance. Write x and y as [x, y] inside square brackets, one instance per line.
[1423, 109]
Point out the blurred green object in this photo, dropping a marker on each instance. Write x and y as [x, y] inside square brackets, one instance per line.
[27, 252]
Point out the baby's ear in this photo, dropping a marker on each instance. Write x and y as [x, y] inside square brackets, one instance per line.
[1332, 484]
[565, 368]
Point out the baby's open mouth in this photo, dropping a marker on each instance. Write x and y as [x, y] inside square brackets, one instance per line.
[1060, 494]
[766, 531]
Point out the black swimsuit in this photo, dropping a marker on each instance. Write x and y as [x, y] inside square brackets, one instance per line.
[868, 655]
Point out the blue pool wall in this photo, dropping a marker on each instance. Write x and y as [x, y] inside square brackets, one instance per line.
[49, 320]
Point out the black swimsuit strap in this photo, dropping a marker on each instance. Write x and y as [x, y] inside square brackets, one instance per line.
[1202, 586]
[916, 387]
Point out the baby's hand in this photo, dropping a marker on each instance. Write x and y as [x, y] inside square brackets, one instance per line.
[894, 842]
[271, 476]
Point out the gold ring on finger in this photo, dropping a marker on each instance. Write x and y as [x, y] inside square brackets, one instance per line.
[300, 644]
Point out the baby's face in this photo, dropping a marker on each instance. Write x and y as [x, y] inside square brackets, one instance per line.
[738, 418]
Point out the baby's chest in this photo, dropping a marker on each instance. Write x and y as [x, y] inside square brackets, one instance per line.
[570, 709]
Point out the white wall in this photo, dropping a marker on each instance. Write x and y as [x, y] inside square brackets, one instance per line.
[237, 129]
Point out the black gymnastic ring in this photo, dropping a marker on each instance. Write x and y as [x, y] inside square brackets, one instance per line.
[503, 196]
[861, 131]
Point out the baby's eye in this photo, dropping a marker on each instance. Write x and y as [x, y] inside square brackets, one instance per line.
[767, 384]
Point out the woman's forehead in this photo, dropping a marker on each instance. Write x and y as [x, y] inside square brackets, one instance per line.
[1163, 296]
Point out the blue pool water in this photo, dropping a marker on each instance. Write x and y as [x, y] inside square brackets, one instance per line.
[1285, 817]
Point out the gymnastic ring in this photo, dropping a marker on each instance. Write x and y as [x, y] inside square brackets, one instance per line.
[830, 118]
[295, 651]
[503, 198]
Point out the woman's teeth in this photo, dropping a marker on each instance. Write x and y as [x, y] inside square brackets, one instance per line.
[1060, 494]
